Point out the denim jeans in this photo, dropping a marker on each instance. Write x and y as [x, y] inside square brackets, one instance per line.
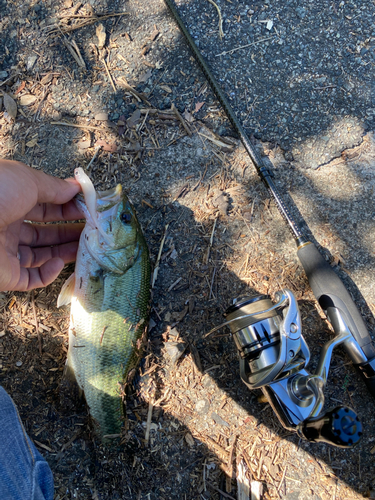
[24, 473]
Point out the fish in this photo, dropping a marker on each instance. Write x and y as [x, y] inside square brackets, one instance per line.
[109, 293]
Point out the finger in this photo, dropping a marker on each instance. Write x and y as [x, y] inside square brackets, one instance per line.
[48, 212]
[55, 190]
[40, 235]
[36, 257]
[38, 277]
[49, 189]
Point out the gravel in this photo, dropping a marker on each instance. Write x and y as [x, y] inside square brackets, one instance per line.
[306, 84]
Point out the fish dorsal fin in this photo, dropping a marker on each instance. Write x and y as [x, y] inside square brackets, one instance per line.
[67, 290]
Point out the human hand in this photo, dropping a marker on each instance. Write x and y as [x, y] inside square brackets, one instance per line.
[33, 255]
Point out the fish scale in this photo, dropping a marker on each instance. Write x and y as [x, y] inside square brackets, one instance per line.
[107, 331]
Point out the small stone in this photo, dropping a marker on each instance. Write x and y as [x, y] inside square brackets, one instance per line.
[101, 117]
[31, 60]
[202, 406]
[18, 363]
[218, 420]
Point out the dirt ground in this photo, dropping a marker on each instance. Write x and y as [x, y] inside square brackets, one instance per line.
[192, 183]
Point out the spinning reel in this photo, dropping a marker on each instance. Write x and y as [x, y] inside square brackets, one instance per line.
[274, 356]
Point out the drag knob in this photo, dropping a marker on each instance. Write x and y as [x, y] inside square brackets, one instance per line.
[340, 427]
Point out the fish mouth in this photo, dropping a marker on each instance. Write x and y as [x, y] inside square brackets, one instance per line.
[105, 200]
[113, 194]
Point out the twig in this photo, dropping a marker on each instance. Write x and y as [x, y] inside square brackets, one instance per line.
[217, 142]
[87, 21]
[230, 465]
[175, 140]
[40, 104]
[174, 284]
[212, 282]
[204, 475]
[75, 125]
[149, 418]
[74, 51]
[221, 33]
[98, 148]
[220, 491]
[211, 241]
[122, 81]
[175, 111]
[156, 270]
[282, 479]
[36, 322]
[244, 46]
[109, 75]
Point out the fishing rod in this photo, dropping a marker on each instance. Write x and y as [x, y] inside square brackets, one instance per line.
[273, 353]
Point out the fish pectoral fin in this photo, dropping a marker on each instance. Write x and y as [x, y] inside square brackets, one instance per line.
[67, 290]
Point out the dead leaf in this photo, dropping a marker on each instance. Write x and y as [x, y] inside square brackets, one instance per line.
[32, 142]
[46, 79]
[134, 119]
[112, 148]
[198, 107]
[20, 88]
[27, 99]
[100, 33]
[84, 144]
[10, 105]
[145, 76]
[166, 88]
[188, 116]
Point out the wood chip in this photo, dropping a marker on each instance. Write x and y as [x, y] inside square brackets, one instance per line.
[101, 34]
[189, 439]
[256, 490]
[243, 483]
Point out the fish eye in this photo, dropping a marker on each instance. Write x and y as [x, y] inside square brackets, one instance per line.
[126, 217]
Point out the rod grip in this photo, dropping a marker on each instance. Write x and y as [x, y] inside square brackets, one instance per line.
[330, 291]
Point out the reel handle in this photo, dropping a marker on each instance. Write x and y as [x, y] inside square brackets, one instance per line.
[330, 292]
[340, 427]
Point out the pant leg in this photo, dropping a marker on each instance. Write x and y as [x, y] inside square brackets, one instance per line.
[24, 473]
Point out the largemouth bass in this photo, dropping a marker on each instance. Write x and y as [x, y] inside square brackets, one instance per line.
[109, 293]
